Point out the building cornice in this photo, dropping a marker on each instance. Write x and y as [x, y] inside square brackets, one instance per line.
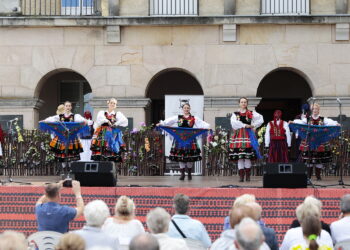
[137, 102]
[21, 103]
[98, 21]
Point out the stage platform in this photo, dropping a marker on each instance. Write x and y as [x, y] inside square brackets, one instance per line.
[209, 203]
[173, 181]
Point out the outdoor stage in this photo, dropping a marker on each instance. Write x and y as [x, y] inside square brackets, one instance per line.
[210, 204]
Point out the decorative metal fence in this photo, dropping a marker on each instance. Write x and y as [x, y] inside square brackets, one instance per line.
[144, 155]
[60, 7]
[285, 7]
[173, 7]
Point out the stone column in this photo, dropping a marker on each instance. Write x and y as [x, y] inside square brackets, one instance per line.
[341, 6]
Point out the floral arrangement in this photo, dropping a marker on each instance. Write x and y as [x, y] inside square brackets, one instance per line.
[217, 142]
[261, 134]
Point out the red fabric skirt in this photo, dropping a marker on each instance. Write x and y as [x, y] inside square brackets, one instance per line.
[278, 151]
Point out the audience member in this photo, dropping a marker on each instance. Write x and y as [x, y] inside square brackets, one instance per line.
[228, 236]
[71, 241]
[158, 223]
[240, 200]
[96, 212]
[310, 200]
[144, 241]
[52, 216]
[300, 236]
[11, 240]
[341, 229]
[192, 229]
[248, 235]
[269, 233]
[123, 224]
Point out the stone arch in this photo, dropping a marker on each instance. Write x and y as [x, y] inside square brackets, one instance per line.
[170, 81]
[60, 85]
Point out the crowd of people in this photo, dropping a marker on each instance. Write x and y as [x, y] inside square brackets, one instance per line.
[243, 228]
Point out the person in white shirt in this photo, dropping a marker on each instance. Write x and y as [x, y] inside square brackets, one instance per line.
[277, 139]
[241, 148]
[340, 229]
[193, 229]
[107, 121]
[123, 225]
[158, 223]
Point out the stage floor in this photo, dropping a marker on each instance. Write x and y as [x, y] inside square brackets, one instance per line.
[173, 181]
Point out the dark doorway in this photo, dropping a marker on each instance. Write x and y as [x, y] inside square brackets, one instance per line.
[60, 86]
[169, 82]
[282, 89]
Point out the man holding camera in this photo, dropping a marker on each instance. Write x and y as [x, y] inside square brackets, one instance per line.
[52, 216]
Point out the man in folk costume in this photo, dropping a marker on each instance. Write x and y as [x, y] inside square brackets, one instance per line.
[277, 139]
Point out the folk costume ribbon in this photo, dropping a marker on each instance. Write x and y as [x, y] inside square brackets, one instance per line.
[60, 129]
[254, 142]
[315, 134]
[114, 137]
[184, 136]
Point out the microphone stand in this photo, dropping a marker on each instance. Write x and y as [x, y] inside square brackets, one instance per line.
[10, 165]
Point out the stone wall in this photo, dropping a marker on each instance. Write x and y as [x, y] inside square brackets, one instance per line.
[123, 70]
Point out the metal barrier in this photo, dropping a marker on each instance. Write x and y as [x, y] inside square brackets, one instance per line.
[173, 7]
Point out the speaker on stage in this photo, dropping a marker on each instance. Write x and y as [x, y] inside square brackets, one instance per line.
[285, 175]
[95, 173]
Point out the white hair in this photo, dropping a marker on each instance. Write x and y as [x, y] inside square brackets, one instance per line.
[10, 240]
[96, 212]
[158, 220]
[248, 234]
[244, 199]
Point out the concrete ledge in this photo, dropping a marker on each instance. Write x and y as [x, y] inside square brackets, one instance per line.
[94, 21]
[19, 103]
[228, 102]
[122, 102]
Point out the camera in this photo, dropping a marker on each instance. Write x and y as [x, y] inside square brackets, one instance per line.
[67, 182]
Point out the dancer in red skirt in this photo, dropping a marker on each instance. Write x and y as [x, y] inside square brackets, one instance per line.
[241, 149]
[277, 139]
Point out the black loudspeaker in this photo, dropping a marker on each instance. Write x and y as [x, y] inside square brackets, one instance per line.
[285, 175]
[95, 173]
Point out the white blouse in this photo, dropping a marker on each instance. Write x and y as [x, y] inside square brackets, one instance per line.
[267, 133]
[56, 118]
[198, 123]
[101, 119]
[124, 232]
[326, 121]
[257, 121]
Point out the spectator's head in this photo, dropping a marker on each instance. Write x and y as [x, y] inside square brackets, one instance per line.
[11, 240]
[304, 210]
[71, 241]
[345, 204]
[311, 226]
[181, 203]
[238, 213]
[248, 235]
[125, 207]
[52, 191]
[144, 241]
[96, 212]
[311, 200]
[257, 210]
[244, 199]
[158, 220]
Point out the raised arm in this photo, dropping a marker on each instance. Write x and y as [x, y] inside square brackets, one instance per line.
[330, 122]
[199, 123]
[289, 139]
[54, 118]
[267, 135]
[121, 120]
[79, 118]
[257, 120]
[169, 121]
[101, 118]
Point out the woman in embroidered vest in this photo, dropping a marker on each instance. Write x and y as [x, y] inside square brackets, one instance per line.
[107, 120]
[185, 157]
[240, 145]
[277, 139]
[58, 146]
[323, 153]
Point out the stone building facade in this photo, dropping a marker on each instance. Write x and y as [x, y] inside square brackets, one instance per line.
[226, 49]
